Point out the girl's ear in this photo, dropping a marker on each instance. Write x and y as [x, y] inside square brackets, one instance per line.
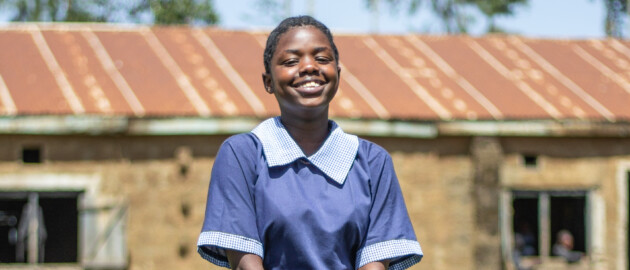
[267, 82]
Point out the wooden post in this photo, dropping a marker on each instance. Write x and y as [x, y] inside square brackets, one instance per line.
[33, 228]
[544, 235]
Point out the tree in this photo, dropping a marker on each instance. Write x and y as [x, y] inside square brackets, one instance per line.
[493, 8]
[47, 10]
[454, 19]
[138, 11]
[276, 10]
[454, 15]
[615, 11]
[182, 11]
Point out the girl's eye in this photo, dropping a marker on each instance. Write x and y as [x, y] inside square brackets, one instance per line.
[290, 62]
[323, 60]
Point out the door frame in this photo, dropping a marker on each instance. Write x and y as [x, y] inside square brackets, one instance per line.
[623, 169]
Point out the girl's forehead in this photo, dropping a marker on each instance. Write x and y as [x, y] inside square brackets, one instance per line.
[304, 33]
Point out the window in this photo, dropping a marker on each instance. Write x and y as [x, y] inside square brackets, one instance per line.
[31, 155]
[78, 227]
[530, 161]
[525, 223]
[539, 216]
[38, 227]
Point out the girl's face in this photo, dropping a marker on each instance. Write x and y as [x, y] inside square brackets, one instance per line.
[304, 75]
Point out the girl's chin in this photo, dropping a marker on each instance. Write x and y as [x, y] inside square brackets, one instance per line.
[311, 91]
[309, 107]
[314, 103]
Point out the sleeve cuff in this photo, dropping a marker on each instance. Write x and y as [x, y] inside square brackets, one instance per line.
[212, 245]
[402, 253]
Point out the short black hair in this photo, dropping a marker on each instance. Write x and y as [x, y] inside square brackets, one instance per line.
[284, 26]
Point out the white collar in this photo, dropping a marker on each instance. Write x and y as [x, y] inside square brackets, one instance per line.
[335, 157]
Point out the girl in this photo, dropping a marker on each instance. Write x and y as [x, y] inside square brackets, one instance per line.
[297, 192]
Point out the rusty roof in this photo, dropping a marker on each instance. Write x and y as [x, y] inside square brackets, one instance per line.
[138, 71]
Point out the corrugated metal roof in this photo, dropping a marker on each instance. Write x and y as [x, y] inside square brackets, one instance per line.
[136, 71]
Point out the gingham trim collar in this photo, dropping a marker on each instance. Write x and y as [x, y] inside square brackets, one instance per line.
[334, 157]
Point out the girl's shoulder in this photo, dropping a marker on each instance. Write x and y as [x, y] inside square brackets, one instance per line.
[244, 149]
[243, 143]
[372, 152]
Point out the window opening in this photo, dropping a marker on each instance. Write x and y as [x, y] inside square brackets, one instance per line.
[526, 225]
[567, 213]
[539, 215]
[31, 154]
[38, 227]
[530, 161]
[61, 217]
[10, 214]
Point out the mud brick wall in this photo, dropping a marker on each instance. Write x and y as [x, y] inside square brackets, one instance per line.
[450, 186]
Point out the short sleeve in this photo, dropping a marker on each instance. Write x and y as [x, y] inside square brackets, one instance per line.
[390, 235]
[230, 220]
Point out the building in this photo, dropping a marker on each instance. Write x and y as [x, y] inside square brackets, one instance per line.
[108, 134]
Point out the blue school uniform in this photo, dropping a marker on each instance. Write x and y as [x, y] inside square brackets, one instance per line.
[339, 208]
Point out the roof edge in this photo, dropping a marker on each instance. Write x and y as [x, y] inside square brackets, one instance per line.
[178, 126]
[535, 128]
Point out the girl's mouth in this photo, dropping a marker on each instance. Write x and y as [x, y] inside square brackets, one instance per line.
[309, 87]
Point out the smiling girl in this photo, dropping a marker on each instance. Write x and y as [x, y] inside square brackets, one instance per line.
[297, 192]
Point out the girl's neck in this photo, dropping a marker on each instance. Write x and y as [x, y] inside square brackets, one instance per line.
[309, 134]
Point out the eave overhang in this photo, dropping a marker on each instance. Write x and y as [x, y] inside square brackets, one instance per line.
[190, 126]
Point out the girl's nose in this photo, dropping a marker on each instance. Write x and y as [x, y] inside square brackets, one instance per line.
[309, 66]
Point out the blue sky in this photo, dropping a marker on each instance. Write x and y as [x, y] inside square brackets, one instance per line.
[573, 19]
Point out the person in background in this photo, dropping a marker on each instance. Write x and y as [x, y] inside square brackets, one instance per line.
[564, 247]
[517, 253]
[529, 239]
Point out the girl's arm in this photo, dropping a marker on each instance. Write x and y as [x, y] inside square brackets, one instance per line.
[244, 261]
[247, 261]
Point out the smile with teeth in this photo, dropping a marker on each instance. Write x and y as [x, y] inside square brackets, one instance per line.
[311, 84]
